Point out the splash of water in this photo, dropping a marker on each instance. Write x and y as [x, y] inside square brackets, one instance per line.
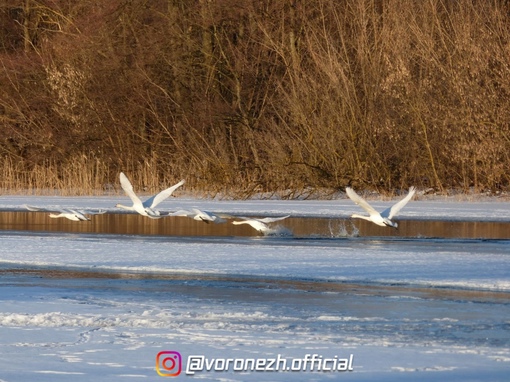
[279, 231]
[342, 228]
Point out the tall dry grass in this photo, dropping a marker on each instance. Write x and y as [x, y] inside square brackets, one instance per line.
[243, 97]
[78, 176]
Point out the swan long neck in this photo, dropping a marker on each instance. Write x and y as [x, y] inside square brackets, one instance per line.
[124, 207]
[356, 216]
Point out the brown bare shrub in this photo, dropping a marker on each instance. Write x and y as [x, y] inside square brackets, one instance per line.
[241, 97]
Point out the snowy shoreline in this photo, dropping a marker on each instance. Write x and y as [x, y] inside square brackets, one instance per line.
[494, 209]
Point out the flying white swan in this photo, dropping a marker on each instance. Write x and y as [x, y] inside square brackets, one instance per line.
[205, 216]
[68, 213]
[146, 208]
[260, 225]
[383, 218]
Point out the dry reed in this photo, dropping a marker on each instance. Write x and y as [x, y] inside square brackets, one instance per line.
[247, 97]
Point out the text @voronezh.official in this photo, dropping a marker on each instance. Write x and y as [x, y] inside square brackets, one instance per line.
[170, 364]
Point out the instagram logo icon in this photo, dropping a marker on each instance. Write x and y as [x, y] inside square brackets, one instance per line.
[169, 363]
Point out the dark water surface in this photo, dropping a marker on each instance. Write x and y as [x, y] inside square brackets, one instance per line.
[135, 224]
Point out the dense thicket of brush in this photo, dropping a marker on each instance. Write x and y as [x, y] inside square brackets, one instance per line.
[249, 96]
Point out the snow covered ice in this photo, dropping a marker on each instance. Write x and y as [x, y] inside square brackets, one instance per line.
[102, 306]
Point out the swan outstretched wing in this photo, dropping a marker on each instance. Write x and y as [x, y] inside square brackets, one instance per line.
[360, 201]
[197, 214]
[45, 209]
[255, 223]
[185, 213]
[78, 214]
[259, 224]
[393, 210]
[153, 201]
[34, 209]
[203, 215]
[272, 220]
[128, 189]
[207, 216]
[92, 212]
[245, 220]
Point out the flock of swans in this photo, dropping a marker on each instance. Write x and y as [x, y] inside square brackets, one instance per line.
[262, 225]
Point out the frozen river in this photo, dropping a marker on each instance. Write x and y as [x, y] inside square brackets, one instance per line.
[88, 305]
